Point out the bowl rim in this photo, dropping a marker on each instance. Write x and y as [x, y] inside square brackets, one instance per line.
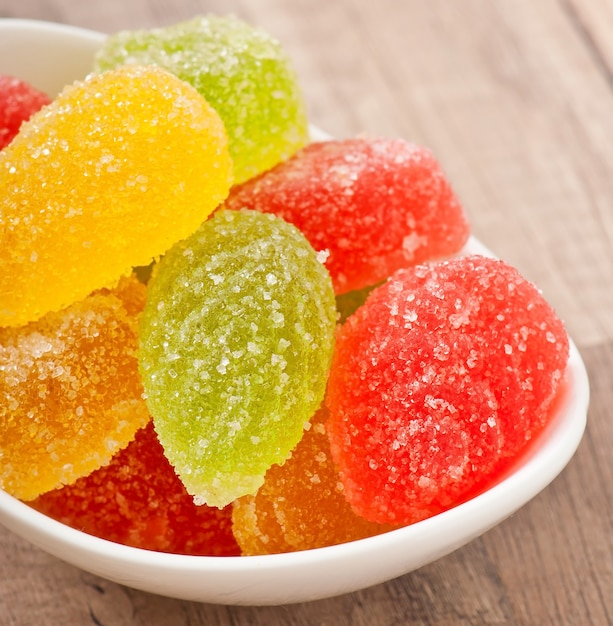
[55, 28]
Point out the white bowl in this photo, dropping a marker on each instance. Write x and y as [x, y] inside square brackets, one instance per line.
[50, 56]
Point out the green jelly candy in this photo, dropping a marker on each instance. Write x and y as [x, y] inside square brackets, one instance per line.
[242, 72]
[236, 342]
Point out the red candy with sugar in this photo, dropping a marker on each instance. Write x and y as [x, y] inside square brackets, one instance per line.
[374, 204]
[18, 102]
[139, 501]
[438, 383]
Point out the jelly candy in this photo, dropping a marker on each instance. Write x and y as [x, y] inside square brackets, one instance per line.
[241, 71]
[109, 175]
[138, 500]
[374, 204]
[18, 101]
[71, 390]
[301, 504]
[438, 383]
[236, 342]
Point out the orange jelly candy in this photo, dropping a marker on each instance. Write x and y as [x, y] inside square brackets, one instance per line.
[301, 503]
[71, 391]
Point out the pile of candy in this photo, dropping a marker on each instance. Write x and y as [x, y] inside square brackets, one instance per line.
[312, 359]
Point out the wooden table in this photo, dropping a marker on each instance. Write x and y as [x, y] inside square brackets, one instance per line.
[515, 97]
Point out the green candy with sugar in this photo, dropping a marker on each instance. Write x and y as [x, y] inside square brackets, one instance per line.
[236, 341]
[242, 72]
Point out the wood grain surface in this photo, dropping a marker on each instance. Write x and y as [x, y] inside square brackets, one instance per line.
[515, 97]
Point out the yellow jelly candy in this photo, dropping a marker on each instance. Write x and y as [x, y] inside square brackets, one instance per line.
[108, 176]
[71, 392]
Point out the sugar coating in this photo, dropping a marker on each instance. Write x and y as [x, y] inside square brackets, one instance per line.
[18, 102]
[71, 391]
[236, 342]
[137, 500]
[439, 381]
[374, 204]
[242, 72]
[301, 505]
[106, 177]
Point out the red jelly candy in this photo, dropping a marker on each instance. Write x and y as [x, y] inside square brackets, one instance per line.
[438, 383]
[18, 102]
[374, 205]
[139, 501]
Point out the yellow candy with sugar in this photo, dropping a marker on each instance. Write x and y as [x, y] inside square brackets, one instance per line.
[108, 176]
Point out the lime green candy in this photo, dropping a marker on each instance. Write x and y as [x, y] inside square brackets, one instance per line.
[242, 72]
[236, 343]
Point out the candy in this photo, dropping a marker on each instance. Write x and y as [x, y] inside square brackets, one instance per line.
[71, 391]
[236, 342]
[138, 500]
[374, 204]
[438, 383]
[241, 71]
[108, 176]
[301, 504]
[18, 101]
